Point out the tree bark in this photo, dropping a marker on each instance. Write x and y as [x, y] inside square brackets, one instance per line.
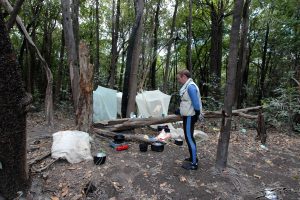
[263, 68]
[97, 57]
[114, 44]
[189, 37]
[85, 104]
[13, 101]
[132, 62]
[60, 68]
[223, 143]
[71, 51]
[13, 15]
[170, 42]
[217, 18]
[155, 47]
[243, 52]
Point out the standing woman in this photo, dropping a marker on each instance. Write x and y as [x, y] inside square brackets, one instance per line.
[190, 110]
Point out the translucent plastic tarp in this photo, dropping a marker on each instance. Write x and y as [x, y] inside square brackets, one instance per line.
[152, 103]
[104, 104]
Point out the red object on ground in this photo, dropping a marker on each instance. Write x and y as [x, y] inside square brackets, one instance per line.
[122, 147]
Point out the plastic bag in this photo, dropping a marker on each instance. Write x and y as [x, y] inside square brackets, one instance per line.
[72, 145]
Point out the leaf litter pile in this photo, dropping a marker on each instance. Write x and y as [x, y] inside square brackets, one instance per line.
[253, 172]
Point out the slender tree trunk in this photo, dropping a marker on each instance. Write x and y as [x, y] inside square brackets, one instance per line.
[133, 54]
[189, 34]
[13, 14]
[60, 68]
[14, 170]
[75, 23]
[166, 72]
[71, 51]
[123, 62]
[114, 48]
[155, 47]
[217, 18]
[97, 57]
[263, 71]
[223, 143]
[242, 61]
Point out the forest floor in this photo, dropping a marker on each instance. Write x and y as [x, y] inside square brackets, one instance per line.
[252, 173]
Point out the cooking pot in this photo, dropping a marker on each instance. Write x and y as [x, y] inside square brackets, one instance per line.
[157, 146]
[119, 138]
[143, 147]
[178, 141]
[100, 158]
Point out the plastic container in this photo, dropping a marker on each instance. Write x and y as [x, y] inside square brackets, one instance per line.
[157, 146]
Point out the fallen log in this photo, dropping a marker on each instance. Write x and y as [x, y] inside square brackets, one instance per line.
[131, 123]
[135, 137]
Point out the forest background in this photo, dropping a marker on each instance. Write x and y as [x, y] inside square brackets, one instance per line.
[241, 54]
[175, 35]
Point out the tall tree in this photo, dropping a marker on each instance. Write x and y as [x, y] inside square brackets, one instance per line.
[223, 143]
[217, 23]
[155, 47]
[13, 101]
[114, 43]
[97, 57]
[264, 66]
[71, 50]
[189, 38]
[243, 55]
[132, 62]
[169, 45]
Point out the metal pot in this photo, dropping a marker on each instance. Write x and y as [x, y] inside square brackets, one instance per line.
[119, 138]
[157, 146]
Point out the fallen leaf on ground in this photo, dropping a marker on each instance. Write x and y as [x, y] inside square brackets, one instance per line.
[54, 198]
[182, 179]
[257, 176]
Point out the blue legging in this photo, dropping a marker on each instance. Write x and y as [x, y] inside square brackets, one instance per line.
[188, 127]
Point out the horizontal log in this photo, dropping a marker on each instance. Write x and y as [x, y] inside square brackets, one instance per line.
[135, 137]
[131, 123]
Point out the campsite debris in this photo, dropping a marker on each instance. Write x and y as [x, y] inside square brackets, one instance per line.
[37, 170]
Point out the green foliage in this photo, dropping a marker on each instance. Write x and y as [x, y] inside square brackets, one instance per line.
[282, 109]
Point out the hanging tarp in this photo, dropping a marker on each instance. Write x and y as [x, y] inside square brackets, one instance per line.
[152, 103]
[104, 104]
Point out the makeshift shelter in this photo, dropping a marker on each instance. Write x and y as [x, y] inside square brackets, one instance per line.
[152, 103]
[104, 104]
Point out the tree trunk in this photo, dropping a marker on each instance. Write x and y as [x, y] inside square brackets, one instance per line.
[242, 61]
[189, 38]
[85, 104]
[97, 57]
[223, 143]
[132, 62]
[263, 68]
[71, 51]
[170, 42]
[13, 14]
[155, 47]
[217, 18]
[114, 44]
[60, 68]
[13, 101]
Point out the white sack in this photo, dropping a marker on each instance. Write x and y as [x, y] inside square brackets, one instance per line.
[71, 145]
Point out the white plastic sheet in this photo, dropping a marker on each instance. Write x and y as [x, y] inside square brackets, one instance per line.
[74, 146]
[104, 104]
[152, 103]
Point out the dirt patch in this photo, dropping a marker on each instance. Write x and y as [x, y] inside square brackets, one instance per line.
[132, 174]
